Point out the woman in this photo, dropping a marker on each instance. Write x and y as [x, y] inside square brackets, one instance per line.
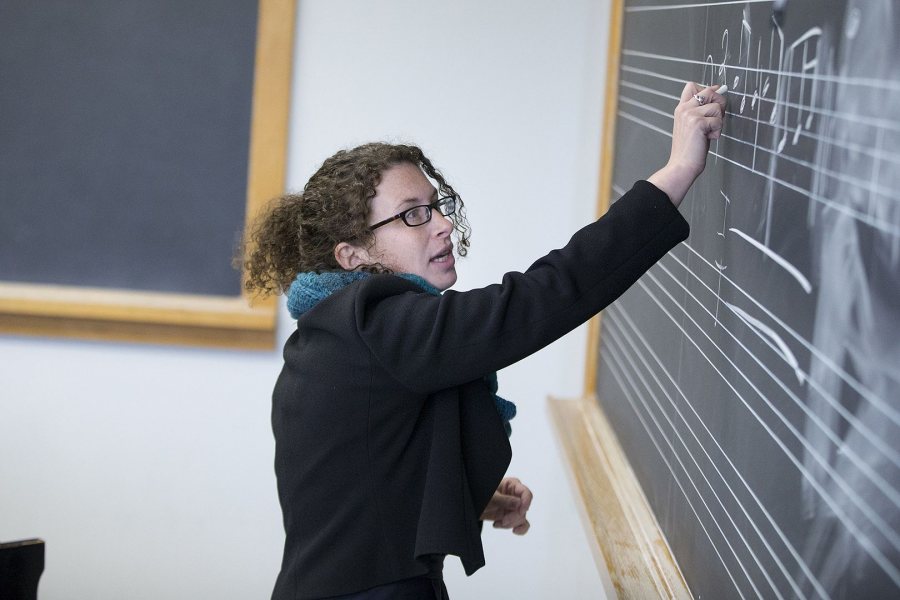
[391, 443]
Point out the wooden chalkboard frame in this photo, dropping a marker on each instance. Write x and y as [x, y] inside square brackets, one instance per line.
[625, 537]
[204, 320]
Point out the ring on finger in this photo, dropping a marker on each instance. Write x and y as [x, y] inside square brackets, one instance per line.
[701, 99]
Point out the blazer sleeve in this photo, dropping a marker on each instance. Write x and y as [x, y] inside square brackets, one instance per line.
[431, 342]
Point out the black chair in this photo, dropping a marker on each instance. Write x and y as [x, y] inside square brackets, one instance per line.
[21, 566]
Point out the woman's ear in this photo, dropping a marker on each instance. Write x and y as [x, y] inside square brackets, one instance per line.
[350, 257]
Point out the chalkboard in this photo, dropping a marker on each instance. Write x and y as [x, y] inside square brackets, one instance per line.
[126, 132]
[753, 375]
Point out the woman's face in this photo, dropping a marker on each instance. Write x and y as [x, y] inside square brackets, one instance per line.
[425, 250]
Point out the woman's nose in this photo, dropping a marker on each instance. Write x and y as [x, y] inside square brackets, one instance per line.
[442, 225]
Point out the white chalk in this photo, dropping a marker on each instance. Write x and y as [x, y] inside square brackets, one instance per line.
[722, 89]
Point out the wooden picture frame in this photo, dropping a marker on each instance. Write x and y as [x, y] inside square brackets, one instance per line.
[159, 317]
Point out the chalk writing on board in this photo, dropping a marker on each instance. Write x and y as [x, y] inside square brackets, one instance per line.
[856, 323]
[758, 365]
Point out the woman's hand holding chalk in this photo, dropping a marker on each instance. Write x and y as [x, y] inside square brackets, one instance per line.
[697, 120]
[704, 99]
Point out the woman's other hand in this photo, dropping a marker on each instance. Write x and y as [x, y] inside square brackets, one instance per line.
[698, 119]
[509, 506]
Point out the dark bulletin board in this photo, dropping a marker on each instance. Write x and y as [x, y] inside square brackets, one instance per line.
[126, 138]
[127, 121]
[753, 375]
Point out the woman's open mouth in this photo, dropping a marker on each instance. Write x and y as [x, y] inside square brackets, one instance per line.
[445, 256]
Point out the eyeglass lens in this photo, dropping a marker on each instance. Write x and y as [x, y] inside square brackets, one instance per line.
[419, 215]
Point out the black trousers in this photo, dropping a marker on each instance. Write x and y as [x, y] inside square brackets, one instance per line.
[416, 588]
[424, 587]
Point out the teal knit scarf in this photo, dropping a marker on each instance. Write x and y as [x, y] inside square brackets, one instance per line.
[310, 288]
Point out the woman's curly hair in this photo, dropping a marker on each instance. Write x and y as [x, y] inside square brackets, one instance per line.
[298, 232]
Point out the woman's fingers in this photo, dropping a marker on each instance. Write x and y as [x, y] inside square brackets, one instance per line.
[698, 118]
[700, 112]
[506, 502]
[708, 119]
[514, 487]
[713, 111]
[713, 115]
[709, 95]
[690, 88]
[499, 505]
[713, 128]
[510, 520]
[509, 506]
[523, 528]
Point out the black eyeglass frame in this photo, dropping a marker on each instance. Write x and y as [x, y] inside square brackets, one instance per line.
[429, 207]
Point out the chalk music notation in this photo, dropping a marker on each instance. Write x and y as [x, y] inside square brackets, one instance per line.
[808, 124]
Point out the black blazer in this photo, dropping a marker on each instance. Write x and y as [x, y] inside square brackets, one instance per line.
[388, 444]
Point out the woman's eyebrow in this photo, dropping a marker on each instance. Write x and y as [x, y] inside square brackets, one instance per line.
[415, 201]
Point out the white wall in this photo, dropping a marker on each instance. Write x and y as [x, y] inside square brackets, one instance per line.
[148, 470]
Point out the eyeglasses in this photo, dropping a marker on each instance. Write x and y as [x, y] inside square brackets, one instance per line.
[421, 214]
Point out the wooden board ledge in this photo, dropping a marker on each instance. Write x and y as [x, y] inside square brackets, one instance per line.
[624, 534]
